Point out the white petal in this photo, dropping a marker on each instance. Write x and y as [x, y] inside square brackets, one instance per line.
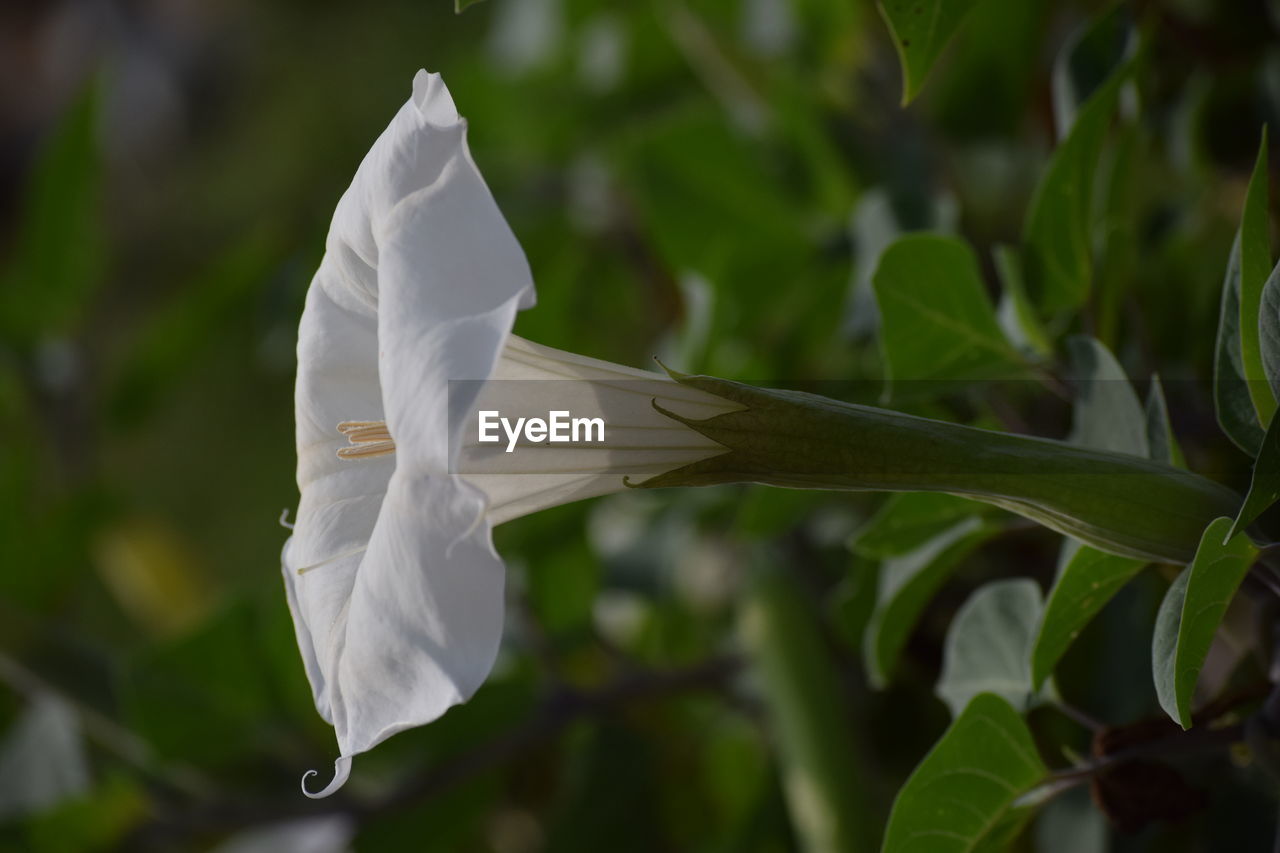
[337, 380]
[451, 279]
[394, 587]
[425, 615]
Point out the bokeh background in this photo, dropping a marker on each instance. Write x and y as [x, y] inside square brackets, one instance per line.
[709, 182]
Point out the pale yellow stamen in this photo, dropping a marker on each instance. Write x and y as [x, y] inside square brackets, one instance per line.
[367, 439]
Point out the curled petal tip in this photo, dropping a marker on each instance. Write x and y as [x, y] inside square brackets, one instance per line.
[341, 770]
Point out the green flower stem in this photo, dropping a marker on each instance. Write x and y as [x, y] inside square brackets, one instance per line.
[1122, 504]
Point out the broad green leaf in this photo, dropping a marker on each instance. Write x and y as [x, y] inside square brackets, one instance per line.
[1016, 314]
[1162, 444]
[936, 322]
[1269, 330]
[963, 796]
[988, 646]
[460, 6]
[1264, 489]
[819, 765]
[906, 519]
[1190, 613]
[1108, 414]
[907, 582]
[1087, 580]
[920, 30]
[1058, 229]
[57, 251]
[1255, 263]
[1231, 398]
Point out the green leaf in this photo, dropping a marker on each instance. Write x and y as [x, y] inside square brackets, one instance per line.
[1190, 613]
[989, 643]
[460, 6]
[57, 253]
[920, 30]
[963, 796]
[1087, 580]
[907, 583]
[808, 713]
[929, 290]
[1255, 263]
[1016, 314]
[1269, 330]
[1107, 414]
[1264, 489]
[1058, 232]
[1162, 444]
[906, 519]
[1231, 398]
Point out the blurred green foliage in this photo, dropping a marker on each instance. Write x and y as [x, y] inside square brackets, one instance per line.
[710, 182]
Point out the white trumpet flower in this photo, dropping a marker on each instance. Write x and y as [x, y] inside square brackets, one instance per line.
[395, 588]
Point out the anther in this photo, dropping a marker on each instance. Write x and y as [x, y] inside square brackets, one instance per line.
[367, 439]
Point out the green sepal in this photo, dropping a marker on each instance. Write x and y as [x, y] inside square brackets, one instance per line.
[1116, 502]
